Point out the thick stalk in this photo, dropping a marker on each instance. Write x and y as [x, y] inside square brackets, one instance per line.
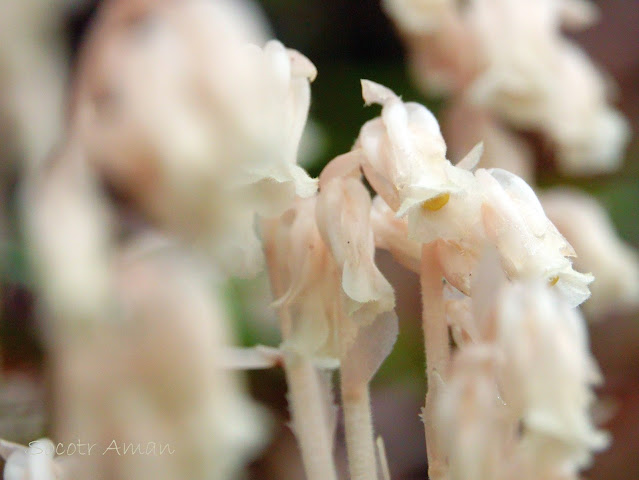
[310, 418]
[358, 423]
[437, 352]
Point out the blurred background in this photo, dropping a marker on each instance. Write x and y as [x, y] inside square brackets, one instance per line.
[348, 41]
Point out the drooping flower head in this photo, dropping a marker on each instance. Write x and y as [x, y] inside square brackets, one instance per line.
[405, 154]
[511, 58]
[526, 349]
[460, 210]
[198, 148]
[537, 79]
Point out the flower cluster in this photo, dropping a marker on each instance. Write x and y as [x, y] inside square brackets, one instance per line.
[518, 71]
[179, 169]
[461, 209]
[518, 66]
[198, 149]
[505, 315]
[521, 382]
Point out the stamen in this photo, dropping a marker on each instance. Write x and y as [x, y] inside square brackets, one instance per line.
[436, 203]
[552, 281]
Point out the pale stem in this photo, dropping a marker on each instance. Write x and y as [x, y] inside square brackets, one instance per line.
[310, 418]
[358, 424]
[383, 459]
[307, 398]
[437, 351]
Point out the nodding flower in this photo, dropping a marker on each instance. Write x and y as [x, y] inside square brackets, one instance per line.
[536, 78]
[547, 375]
[511, 59]
[524, 364]
[467, 210]
[199, 149]
[324, 253]
[404, 153]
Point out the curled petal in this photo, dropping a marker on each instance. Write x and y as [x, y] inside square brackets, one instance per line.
[404, 152]
[375, 93]
[343, 215]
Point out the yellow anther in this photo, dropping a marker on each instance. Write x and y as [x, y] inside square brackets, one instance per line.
[436, 203]
[552, 281]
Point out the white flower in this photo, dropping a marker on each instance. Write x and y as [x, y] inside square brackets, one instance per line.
[537, 349]
[536, 79]
[614, 264]
[470, 415]
[404, 161]
[589, 134]
[189, 142]
[498, 208]
[285, 97]
[547, 374]
[529, 244]
[169, 329]
[405, 154]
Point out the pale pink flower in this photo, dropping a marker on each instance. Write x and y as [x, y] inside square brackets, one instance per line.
[311, 280]
[368, 326]
[325, 258]
[343, 218]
